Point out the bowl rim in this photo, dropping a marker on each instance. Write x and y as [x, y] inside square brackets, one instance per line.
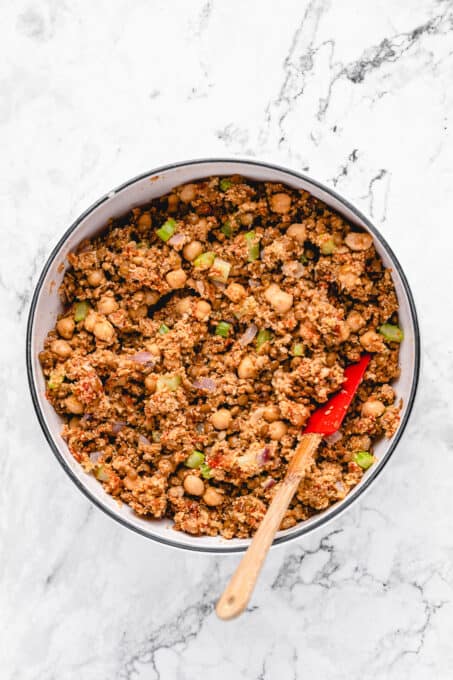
[347, 502]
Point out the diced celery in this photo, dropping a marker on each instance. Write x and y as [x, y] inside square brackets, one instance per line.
[262, 337]
[298, 349]
[205, 470]
[195, 459]
[81, 309]
[168, 383]
[327, 246]
[220, 270]
[226, 229]
[364, 459]
[155, 436]
[204, 261]
[225, 184]
[56, 378]
[163, 329]
[223, 329]
[101, 473]
[166, 231]
[253, 246]
[391, 333]
[304, 259]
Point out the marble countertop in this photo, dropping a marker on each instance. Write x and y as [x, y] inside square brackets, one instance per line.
[358, 95]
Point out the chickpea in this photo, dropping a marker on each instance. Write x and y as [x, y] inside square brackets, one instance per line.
[151, 297]
[173, 201]
[73, 405]
[123, 270]
[280, 203]
[277, 430]
[212, 497]
[347, 277]
[188, 193]
[358, 240]
[202, 310]
[331, 358]
[373, 408]
[176, 278]
[192, 250]
[184, 306]
[297, 231]
[194, 485]
[104, 331]
[355, 321]
[246, 368]
[235, 292]
[175, 492]
[62, 348]
[372, 341]
[129, 481]
[139, 313]
[144, 221]
[90, 320]
[95, 278]
[107, 305]
[65, 327]
[278, 299]
[271, 413]
[246, 219]
[175, 260]
[150, 383]
[221, 419]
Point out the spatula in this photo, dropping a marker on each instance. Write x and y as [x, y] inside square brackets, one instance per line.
[324, 421]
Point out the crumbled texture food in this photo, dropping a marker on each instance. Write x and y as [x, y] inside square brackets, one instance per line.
[190, 356]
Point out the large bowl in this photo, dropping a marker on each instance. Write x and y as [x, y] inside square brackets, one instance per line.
[46, 305]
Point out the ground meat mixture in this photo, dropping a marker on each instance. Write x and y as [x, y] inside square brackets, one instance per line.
[199, 333]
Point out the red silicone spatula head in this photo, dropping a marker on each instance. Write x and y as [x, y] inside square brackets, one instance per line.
[328, 417]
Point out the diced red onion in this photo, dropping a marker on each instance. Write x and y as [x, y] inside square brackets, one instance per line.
[340, 487]
[248, 336]
[264, 456]
[253, 283]
[95, 456]
[268, 483]
[177, 239]
[205, 384]
[219, 285]
[294, 269]
[144, 441]
[86, 418]
[332, 439]
[200, 287]
[143, 358]
[118, 426]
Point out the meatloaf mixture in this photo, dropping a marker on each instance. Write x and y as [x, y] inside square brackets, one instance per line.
[198, 334]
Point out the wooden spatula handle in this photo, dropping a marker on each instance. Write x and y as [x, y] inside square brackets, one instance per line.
[238, 591]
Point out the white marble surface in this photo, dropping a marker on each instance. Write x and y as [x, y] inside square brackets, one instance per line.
[358, 95]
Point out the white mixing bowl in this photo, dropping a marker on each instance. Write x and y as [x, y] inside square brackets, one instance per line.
[46, 305]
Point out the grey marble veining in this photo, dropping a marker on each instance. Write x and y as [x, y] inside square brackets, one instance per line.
[357, 95]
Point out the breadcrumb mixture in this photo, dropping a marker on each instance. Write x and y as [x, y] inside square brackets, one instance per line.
[199, 333]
